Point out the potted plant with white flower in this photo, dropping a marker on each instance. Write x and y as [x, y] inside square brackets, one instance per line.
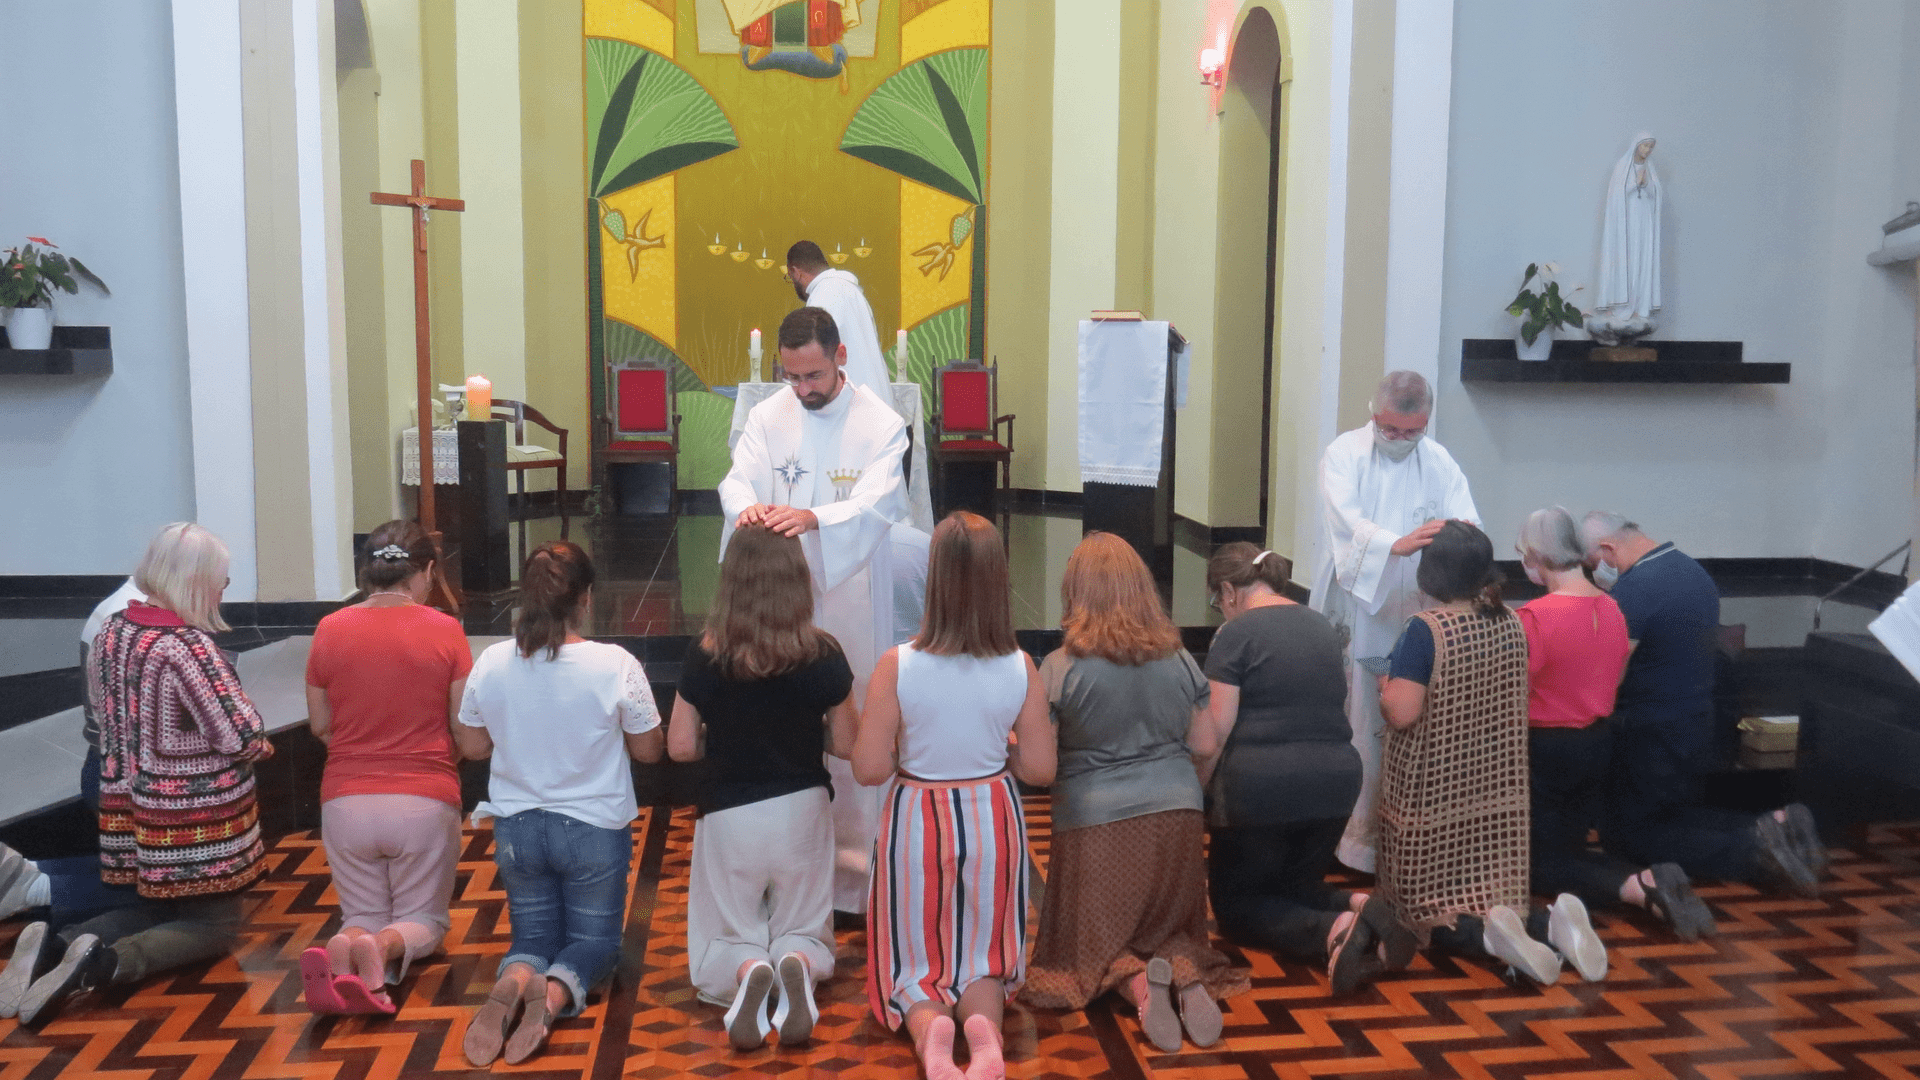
[1541, 313]
[28, 277]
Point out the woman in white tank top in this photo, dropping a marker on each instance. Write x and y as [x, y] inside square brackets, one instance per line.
[953, 837]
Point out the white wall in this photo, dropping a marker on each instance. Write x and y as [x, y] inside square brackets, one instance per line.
[1780, 149]
[90, 469]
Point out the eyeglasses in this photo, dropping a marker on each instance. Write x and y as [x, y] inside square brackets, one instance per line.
[818, 378]
[1214, 602]
[1394, 434]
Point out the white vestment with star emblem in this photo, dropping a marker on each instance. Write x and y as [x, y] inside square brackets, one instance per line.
[843, 462]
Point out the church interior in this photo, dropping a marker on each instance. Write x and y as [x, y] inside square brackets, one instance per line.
[562, 233]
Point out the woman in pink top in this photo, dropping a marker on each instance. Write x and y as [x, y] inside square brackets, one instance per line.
[1576, 651]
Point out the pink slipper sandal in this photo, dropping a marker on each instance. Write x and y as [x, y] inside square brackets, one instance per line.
[316, 974]
[360, 1000]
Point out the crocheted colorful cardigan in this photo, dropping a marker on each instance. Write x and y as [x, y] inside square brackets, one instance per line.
[178, 739]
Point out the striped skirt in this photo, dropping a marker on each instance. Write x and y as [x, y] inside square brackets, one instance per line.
[949, 902]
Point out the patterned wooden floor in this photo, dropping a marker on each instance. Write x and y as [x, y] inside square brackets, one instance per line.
[1792, 987]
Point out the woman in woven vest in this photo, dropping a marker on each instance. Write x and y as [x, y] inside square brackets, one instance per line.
[1453, 788]
[178, 820]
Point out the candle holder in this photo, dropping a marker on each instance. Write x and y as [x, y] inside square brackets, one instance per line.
[753, 360]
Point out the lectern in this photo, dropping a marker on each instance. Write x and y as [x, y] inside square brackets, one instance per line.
[1132, 382]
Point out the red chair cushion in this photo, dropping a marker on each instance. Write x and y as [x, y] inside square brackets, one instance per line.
[966, 401]
[972, 444]
[641, 403]
[639, 446]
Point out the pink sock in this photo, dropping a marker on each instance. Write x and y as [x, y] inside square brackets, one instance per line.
[983, 1044]
[936, 1054]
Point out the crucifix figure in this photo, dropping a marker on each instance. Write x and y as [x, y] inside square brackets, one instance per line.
[421, 202]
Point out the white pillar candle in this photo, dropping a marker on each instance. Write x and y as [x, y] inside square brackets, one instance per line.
[900, 346]
[753, 344]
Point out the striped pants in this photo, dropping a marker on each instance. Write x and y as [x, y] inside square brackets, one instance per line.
[949, 902]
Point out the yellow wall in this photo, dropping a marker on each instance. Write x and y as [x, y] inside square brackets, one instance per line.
[1020, 227]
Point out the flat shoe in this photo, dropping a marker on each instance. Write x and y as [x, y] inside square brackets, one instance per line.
[1571, 933]
[27, 963]
[1200, 1015]
[1673, 899]
[536, 1023]
[1157, 1018]
[487, 1031]
[361, 999]
[793, 1021]
[1506, 937]
[74, 973]
[746, 1019]
[1780, 860]
[1351, 962]
[316, 976]
[1801, 830]
[1399, 943]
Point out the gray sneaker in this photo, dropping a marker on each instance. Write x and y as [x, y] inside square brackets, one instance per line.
[1506, 937]
[87, 965]
[31, 958]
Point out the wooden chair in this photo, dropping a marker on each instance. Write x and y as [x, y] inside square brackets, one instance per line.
[966, 404]
[642, 426]
[523, 456]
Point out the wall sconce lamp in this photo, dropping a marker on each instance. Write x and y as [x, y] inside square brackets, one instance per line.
[1213, 65]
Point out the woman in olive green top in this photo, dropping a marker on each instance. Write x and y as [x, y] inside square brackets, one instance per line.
[1126, 899]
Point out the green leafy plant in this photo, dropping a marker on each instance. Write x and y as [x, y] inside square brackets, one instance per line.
[1542, 311]
[29, 275]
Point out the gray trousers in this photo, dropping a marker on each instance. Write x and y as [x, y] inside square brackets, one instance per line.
[159, 935]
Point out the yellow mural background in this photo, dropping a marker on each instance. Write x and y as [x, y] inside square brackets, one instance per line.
[648, 299]
[926, 217]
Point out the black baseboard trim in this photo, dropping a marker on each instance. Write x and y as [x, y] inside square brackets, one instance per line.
[1042, 497]
[1198, 536]
[35, 586]
[35, 694]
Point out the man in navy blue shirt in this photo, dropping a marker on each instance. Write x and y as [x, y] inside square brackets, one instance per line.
[1663, 723]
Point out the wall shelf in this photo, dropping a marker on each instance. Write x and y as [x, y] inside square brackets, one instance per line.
[1493, 360]
[77, 350]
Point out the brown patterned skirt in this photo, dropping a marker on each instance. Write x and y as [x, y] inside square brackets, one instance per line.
[1117, 896]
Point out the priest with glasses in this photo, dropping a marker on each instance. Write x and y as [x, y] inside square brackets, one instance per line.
[823, 463]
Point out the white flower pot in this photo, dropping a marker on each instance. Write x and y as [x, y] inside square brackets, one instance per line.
[1541, 348]
[30, 327]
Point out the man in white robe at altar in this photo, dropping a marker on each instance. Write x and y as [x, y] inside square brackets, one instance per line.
[838, 293]
[822, 462]
[1385, 489]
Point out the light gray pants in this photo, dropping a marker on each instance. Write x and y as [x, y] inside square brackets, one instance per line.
[761, 887]
[393, 859]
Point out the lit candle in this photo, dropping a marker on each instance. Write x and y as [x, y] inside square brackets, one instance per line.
[753, 344]
[900, 346]
[479, 398]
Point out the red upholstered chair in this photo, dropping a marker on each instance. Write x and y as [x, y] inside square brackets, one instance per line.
[966, 406]
[523, 456]
[641, 424]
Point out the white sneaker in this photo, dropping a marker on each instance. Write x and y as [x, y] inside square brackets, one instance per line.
[746, 1020]
[793, 1020]
[19, 972]
[1571, 932]
[1506, 937]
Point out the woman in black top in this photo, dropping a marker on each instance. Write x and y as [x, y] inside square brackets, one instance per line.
[1285, 779]
[761, 691]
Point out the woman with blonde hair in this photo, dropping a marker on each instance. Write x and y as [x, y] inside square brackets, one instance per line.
[384, 680]
[560, 716]
[760, 691]
[947, 923]
[1126, 900]
[178, 819]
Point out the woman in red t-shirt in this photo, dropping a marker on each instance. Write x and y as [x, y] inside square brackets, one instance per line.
[383, 682]
[1576, 651]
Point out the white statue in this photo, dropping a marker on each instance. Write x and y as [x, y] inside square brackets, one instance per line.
[1629, 289]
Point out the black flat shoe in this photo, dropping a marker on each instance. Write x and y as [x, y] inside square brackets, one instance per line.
[1398, 944]
[1671, 897]
[1351, 962]
[1780, 860]
[1806, 838]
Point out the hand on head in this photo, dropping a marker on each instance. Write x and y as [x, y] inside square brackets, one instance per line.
[785, 520]
[1418, 538]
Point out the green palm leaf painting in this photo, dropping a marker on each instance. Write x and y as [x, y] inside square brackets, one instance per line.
[646, 117]
[624, 342]
[928, 122]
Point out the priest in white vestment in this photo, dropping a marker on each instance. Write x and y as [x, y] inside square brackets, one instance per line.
[838, 293]
[823, 462]
[1385, 489]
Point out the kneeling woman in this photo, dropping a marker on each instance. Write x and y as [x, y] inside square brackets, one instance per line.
[949, 912]
[556, 711]
[754, 691]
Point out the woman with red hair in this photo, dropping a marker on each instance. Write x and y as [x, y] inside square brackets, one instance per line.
[1126, 902]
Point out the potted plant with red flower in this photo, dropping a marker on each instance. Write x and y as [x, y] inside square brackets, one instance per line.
[28, 277]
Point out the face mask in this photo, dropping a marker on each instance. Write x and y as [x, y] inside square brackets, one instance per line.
[1397, 449]
[1605, 575]
[1534, 575]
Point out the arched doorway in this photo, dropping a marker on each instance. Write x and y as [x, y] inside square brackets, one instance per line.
[1247, 276]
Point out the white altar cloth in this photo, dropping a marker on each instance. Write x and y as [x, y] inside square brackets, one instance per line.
[1123, 394]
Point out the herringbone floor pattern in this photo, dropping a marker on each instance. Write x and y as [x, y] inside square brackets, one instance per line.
[1827, 987]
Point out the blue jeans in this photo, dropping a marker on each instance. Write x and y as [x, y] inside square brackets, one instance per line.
[566, 884]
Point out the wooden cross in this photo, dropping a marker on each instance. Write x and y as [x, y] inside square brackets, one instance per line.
[421, 202]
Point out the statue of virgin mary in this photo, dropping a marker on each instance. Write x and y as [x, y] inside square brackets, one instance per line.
[1629, 283]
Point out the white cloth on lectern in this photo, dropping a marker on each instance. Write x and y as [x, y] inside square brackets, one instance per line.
[1898, 628]
[1367, 502]
[1123, 397]
[843, 463]
[839, 293]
